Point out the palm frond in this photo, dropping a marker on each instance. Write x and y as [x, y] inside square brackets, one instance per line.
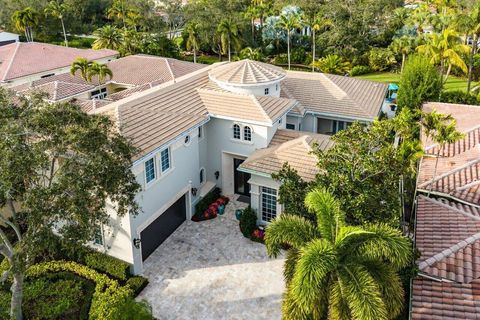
[293, 254]
[287, 229]
[338, 308]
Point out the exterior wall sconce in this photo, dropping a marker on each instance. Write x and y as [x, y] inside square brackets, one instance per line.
[194, 192]
[136, 243]
[217, 174]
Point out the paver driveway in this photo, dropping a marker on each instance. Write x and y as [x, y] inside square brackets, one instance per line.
[208, 270]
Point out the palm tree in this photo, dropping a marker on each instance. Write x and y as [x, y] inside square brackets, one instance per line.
[404, 46]
[332, 64]
[289, 23]
[82, 65]
[317, 24]
[118, 10]
[445, 49]
[442, 130]
[25, 20]
[336, 271]
[107, 37]
[57, 10]
[228, 35]
[100, 70]
[193, 40]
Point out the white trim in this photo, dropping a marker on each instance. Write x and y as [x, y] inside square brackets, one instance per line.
[148, 184]
[331, 116]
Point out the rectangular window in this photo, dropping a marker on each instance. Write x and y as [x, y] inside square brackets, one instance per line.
[150, 170]
[268, 203]
[200, 132]
[99, 94]
[165, 159]
[339, 125]
[98, 236]
[290, 126]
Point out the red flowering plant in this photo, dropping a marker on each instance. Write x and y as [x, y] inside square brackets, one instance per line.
[258, 235]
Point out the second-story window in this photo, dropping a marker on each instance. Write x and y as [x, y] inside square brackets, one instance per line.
[150, 170]
[247, 134]
[165, 159]
[236, 131]
[99, 94]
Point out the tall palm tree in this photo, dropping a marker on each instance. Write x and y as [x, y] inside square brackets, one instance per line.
[57, 10]
[107, 37]
[82, 65]
[336, 271]
[471, 25]
[100, 70]
[317, 24]
[193, 40]
[445, 49]
[404, 46]
[289, 23]
[442, 130]
[118, 10]
[25, 20]
[229, 36]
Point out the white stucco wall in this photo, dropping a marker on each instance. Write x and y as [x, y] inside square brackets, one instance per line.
[7, 36]
[256, 90]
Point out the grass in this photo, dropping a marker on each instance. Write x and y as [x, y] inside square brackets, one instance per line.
[453, 83]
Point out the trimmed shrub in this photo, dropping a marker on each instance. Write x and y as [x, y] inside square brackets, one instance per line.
[108, 295]
[248, 222]
[109, 265]
[381, 59]
[205, 202]
[137, 284]
[359, 70]
[298, 55]
[459, 96]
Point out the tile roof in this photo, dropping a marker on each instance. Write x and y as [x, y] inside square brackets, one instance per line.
[246, 107]
[447, 232]
[335, 95]
[59, 90]
[289, 146]
[21, 59]
[246, 72]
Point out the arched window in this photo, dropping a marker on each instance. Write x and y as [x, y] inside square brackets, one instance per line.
[247, 134]
[202, 176]
[236, 131]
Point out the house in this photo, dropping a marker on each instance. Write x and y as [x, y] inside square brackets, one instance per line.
[131, 74]
[447, 230]
[228, 125]
[24, 62]
[8, 37]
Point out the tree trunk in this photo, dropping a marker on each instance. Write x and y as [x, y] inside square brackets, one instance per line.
[447, 74]
[313, 50]
[288, 49]
[470, 62]
[194, 55]
[253, 29]
[403, 62]
[17, 296]
[229, 52]
[64, 33]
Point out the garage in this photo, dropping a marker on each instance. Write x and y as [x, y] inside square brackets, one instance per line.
[160, 229]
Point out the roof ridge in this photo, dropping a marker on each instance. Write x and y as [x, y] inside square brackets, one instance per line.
[449, 251]
[442, 204]
[466, 133]
[169, 69]
[11, 60]
[446, 174]
[258, 104]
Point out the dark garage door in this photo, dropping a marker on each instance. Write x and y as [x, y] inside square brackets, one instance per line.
[162, 227]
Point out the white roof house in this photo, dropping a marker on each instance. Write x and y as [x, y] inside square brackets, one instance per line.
[229, 125]
[8, 37]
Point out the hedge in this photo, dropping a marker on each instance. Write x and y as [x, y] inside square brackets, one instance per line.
[248, 222]
[210, 197]
[107, 264]
[137, 284]
[108, 296]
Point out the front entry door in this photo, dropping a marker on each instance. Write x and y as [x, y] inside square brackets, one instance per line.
[240, 179]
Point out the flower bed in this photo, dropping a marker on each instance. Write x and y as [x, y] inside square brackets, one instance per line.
[215, 208]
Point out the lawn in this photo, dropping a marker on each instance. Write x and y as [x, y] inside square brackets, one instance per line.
[453, 83]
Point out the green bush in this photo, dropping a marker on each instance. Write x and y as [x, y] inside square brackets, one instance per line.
[248, 222]
[210, 197]
[109, 265]
[281, 58]
[108, 295]
[381, 59]
[459, 96]
[359, 70]
[298, 55]
[137, 284]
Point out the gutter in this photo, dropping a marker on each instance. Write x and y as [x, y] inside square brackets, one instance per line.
[337, 117]
[254, 172]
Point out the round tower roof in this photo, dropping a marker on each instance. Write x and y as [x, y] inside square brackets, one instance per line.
[246, 72]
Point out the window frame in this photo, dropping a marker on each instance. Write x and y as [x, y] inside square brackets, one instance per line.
[148, 182]
[100, 94]
[98, 237]
[245, 128]
[266, 91]
[292, 126]
[169, 158]
[268, 213]
[200, 132]
[234, 133]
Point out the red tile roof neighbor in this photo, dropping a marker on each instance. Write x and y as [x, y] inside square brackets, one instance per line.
[447, 232]
[21, 59]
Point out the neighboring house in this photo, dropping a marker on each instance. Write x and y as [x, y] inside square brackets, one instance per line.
[7, 38]
[131, 74]
[23, 62]
[447, 231]
[223, 125]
